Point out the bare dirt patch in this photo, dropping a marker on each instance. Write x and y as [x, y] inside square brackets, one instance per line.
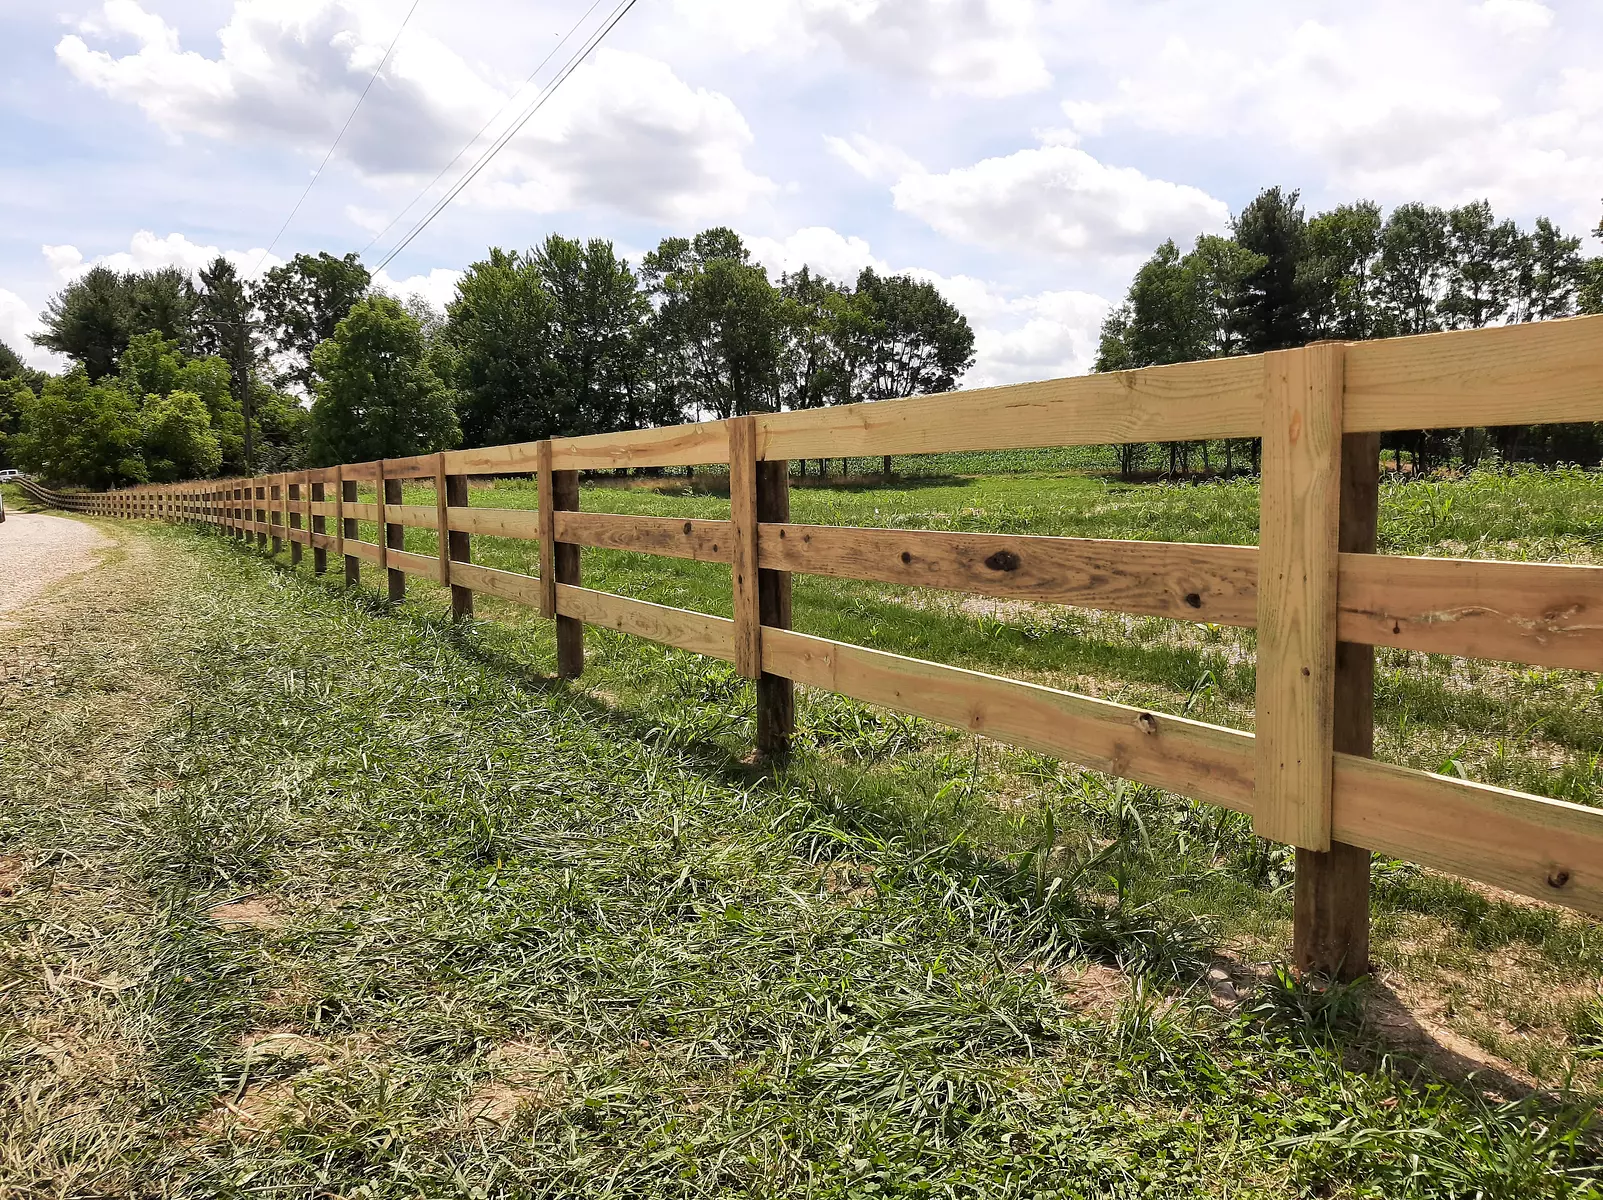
[259, 912]
[529, 1074]
[11, 868]
[1414, 1029]
[1094, 989]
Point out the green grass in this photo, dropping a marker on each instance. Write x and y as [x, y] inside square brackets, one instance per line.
[665, 973]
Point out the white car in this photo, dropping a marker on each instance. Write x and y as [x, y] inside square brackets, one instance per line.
[8, 475]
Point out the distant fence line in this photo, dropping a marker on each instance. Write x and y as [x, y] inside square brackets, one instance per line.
[1314, 588]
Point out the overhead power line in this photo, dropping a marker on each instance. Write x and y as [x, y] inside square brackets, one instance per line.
[585, 16]
[339, 137]
[500, 142]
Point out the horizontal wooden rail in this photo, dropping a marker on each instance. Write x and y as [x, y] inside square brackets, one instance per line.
[669, 537]
[496, 522]
[687, 630]
[1217, 584]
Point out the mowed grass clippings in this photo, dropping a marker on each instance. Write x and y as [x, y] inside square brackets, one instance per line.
[311, 896]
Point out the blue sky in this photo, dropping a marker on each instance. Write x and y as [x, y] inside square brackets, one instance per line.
[1024, 156]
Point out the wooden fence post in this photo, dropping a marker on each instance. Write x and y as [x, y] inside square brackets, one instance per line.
[451, 491]
[319, 525]
[274, 488]
[776, 695]
[392, 537]
[1330, 931]
[1299, 507]
[559, 561]
[743, 545]
[297, 494]
[545, 486]
[260, 511]
[347, 526]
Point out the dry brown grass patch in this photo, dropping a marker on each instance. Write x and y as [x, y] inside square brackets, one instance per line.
[258, 912]
[11, 870]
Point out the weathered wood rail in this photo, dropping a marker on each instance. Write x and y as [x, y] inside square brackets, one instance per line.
[1314, 588]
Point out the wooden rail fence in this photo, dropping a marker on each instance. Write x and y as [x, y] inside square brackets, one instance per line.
[1314, 588]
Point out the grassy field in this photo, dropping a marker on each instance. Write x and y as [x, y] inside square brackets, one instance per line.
[305, 894]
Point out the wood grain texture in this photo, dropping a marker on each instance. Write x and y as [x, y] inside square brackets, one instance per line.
[1299, 501]
[1542, 613]
[674, 446]
[671, 537]
[547, 531]
[406, 563]
[411, 516]
[520, 523]
[517, 458]
[1208, 762]
[366, 472]
[1216, 584]
[1528, 374]
[1549, 849]
[505, 585]
[339, 513]
[743, 545]
[421, 466]
[442, 519]
[713, 636]
[1217, 398]
[1330, 900]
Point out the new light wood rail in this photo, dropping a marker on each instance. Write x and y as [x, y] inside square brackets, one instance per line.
[1318, 596]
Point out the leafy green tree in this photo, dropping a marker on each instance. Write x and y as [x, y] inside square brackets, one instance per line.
[1272, 311]
[301, 305]
[1550, 276]
[163, 300]
[1342, 252]
[495, 349]
[1165, 318]
[814, 314]
[79, 432]
[1412, 274]
[596, 341]
[717, 330]
[283, 428]
[1483, 260]
[88, 321]
[377, 395]
[92, 319]
[911, 340]
[226, 328]
[14, 394]
[177, 439]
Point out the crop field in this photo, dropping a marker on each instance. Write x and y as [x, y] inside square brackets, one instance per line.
[302, 893]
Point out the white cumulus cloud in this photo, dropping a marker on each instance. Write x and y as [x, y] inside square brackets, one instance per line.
[1058, 200]
[988, 48]
[624, 132]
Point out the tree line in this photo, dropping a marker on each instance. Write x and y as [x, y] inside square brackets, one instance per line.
[1283, 279]
[175, 376]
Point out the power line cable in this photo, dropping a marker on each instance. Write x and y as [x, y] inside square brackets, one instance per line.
[379, 236]
[339, 137]
[568, 68]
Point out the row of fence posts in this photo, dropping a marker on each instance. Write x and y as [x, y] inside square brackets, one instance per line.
[1331, 921]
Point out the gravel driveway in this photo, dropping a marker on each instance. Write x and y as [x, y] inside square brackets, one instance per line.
[36, 550]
